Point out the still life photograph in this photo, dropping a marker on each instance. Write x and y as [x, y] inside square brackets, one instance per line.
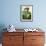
[26, 13]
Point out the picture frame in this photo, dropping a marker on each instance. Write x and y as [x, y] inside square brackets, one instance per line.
[26, 13]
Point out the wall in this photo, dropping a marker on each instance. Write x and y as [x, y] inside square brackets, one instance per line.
[10, 13]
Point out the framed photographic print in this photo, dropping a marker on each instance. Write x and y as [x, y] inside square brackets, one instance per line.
[26, 13]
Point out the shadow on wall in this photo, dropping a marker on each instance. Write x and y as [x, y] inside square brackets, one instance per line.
[2, 26]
